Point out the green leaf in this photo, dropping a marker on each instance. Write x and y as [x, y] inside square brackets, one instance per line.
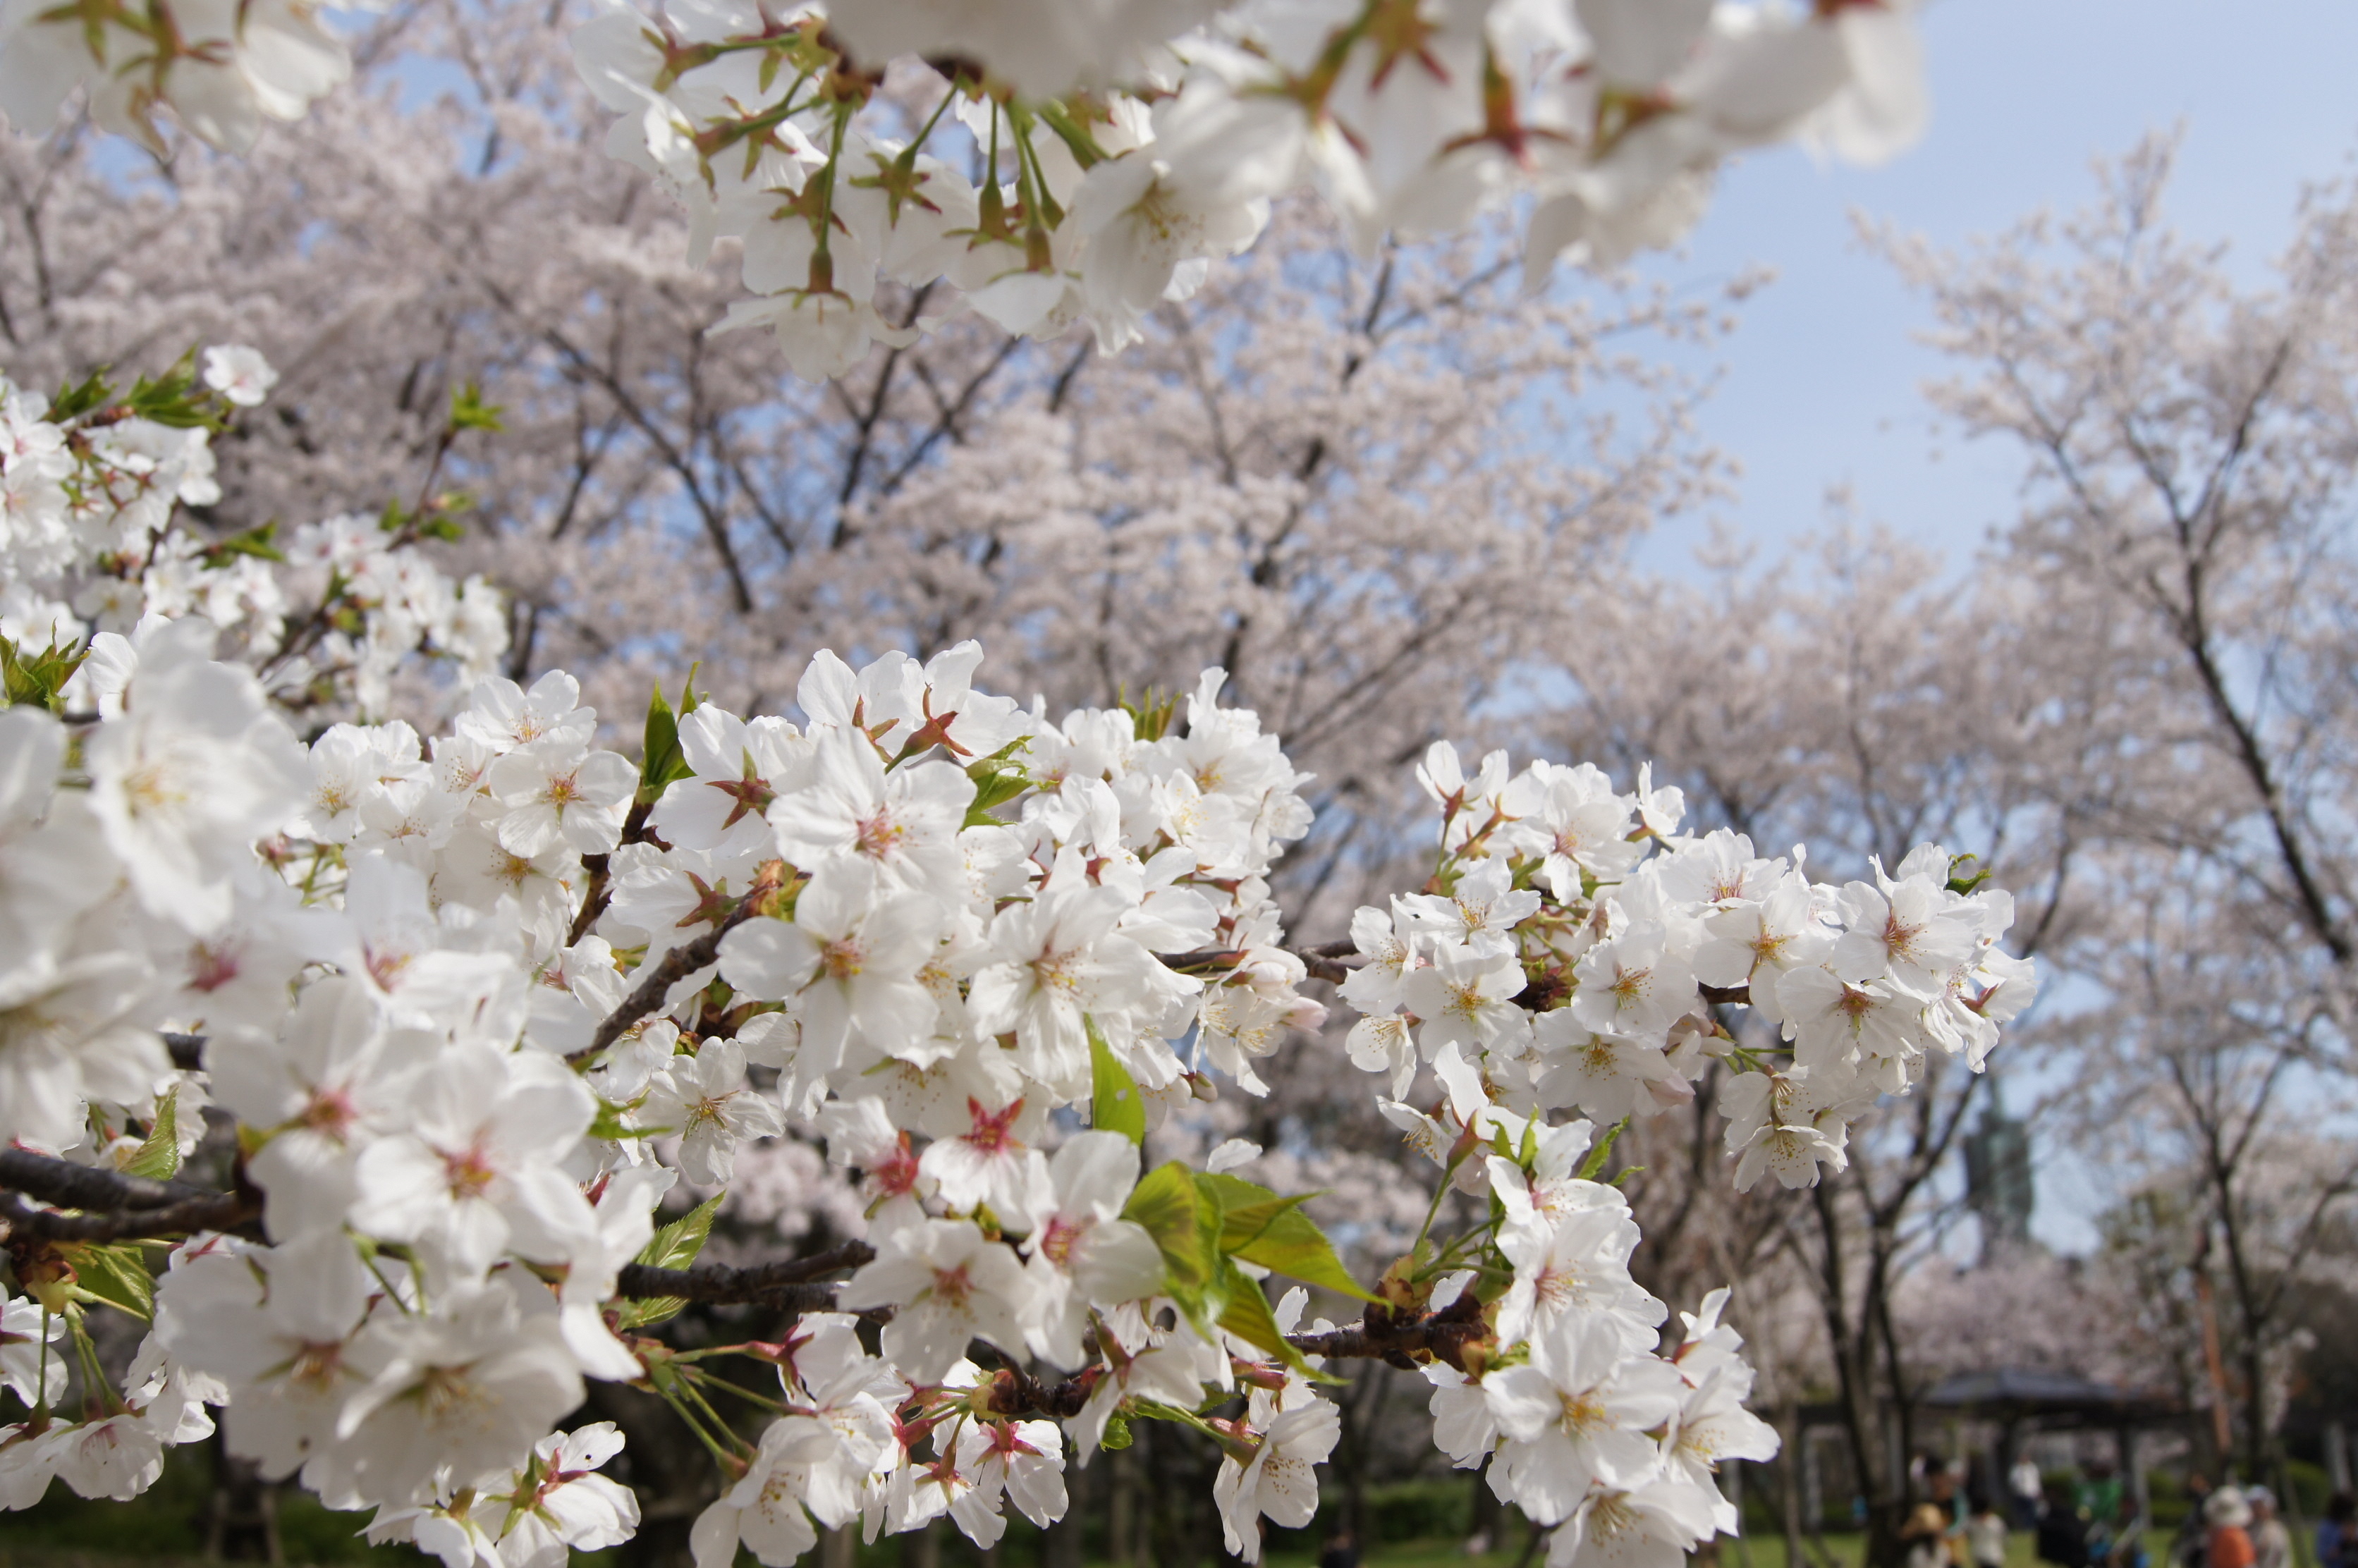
[1262, 1228]
[1246, 1314]
[1967, 873]
[470, 412]
[661, 763]
[113, 1273]
[1149, 716]
[174, 399]
[675, 1246]
[158, 1156]
[1117, 1433]
[996, 780]
[38, 680]
[77, 399]
[1168, 1205]
[1115, 1103]
[256, 542]
[1597, 1156]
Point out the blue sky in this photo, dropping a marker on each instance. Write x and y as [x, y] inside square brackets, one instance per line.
[1823, 376]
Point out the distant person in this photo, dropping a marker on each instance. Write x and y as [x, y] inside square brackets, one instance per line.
[2063, 1534]
[1926, 1536]
[1986, 1533]
[2189, 1547]
[1941, 1483]
[2023, 1486]
[2228, 1543]
[2099, 1500]
[2336, 1530]
[1341, 1551]
[2271, 1541]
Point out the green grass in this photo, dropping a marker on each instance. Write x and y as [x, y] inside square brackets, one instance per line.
[1848, 1550]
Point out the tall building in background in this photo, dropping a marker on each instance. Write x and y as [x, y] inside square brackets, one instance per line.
[1998, 1186]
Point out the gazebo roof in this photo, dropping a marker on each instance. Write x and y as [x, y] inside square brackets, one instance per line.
[2015, 1392]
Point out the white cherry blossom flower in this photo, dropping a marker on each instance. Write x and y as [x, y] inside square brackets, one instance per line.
[477, 1169]
[851, 955]
[1280, 1479]
[706, 1099]
[947, 1285]
[1464, 997]
[552, 792]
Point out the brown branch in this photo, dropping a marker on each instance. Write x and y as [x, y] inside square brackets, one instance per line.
[216, 1211]
[68, 1186]
[599, 891]
[1402, 1341]
[797, 1284]
[1015, 1391]
[1321, 960]
[656, 980]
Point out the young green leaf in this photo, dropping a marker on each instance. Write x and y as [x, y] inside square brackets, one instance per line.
[1166, 1204]
[258, 543]
[998, 779]
[159, 1155]
[38, 680]
[113, 1273]
[470, 412]
[675, 1246]
[1259, 1227]
[174, 399]
[1151, 716]
[1603, 1151]
[661, 763]
[81, 397]
[1246, 1314]
[1115, 1103]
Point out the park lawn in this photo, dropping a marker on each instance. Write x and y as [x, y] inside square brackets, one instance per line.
[1846, 1548]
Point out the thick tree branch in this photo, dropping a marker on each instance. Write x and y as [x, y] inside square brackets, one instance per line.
[222, 1211]
[797, 1284]
[69, 1185]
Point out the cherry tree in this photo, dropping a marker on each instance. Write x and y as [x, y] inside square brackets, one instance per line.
[2174, 596]
[472, 1006]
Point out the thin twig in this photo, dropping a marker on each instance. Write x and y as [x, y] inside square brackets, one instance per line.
[655, 981]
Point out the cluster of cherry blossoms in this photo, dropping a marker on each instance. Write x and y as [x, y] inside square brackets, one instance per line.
[467, 1013]
[1048, 165]
[222, 66]
[94, 540]
[1555, 961]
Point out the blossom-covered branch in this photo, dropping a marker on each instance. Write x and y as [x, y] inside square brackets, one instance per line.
[889, 166]
[466, 1069]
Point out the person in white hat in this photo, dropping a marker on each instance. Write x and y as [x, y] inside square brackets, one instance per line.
[2230, 1546]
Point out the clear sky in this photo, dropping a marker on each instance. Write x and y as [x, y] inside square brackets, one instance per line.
[1823, 376]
